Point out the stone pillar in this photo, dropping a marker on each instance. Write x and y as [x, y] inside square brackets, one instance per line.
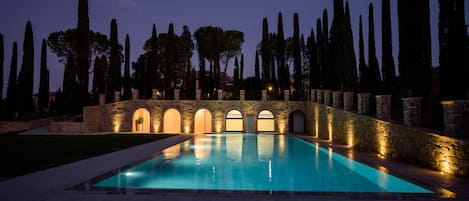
[337, 99]
[412, 111]
[328, 97]
[456, 117]
[176, 94]
[286, 95]
[220, 94]
[134, 94]
[383, 107]
[198, 93]
[102, 99]
[197, 84]
[348, 101]
[313, 95]
[117, 96]
[264, 95]
[154, 94]
[242, 95]
[363, 103]
[319, 97]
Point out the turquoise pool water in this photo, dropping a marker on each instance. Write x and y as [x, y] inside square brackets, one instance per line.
[256, 163]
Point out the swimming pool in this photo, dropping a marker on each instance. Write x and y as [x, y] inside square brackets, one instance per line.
[256, 163]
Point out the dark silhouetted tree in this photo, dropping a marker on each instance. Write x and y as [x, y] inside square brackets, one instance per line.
[283, 73]
[453, 39]
[414, 47]
[99, 76]
[373, 66]
[2, 58]
[297, 67]
[256, 68]
[312, 54]
[233, 42]
[266, 52]
[388, 67]
[336, 52]
[350, 77]
[126, 81]
[43, 95]
[236, 81]
[83, 51]
[186, 47]
[26, 76]
[11, 103]
[115, 60]
[362, 67]
[241, 71]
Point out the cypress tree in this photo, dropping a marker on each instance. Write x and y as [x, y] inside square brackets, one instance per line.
[256, 68]
[387, 66]
[70, 85]
[297, 59]
[241, 71]
[336, 52]
[152, 77]
[362, 67]
[414, 47]
[11, 90]
[43, 95]
[350, 62]
[320, 52]
[26, 76]
[282, 72]
[127, 95]
[114, 73]
[236, 79]
[313, 61]
[83, 51]
[265, 51]
[170, 58]
[375, 75]
[453, 48]
[2, 58]
[326, 69]
[99, 83]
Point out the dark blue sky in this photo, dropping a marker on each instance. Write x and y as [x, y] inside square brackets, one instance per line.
[136, 17]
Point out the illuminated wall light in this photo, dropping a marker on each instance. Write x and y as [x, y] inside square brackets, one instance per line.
[316, 120]
[382, 133]
[117, 122]
[329, 125]
[156, 126]
[187, 129]
[350, 132]
[445, 160]
[282, 126]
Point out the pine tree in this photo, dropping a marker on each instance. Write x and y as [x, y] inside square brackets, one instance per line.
[26, 76]
[83, 51]
[313, 61]
[362, 67]
[2, 58]
[127, 95]
[453, 48]
[414, 47]
[297, 95]
[114, 73]
[387, 66]
[375, 75]
[266, 52]
[11, 103]
[350, 78]
[43, 95]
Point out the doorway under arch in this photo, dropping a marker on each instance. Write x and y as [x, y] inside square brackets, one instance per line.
[296, 122]
[203, 121]
[172, 121]
[265, 121]
[141, 121]
[234, 121]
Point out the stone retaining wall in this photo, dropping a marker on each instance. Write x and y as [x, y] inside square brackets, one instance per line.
[66, 127]
[16, 126]
[390, 140]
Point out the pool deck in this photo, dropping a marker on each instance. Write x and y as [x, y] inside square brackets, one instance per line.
[52, 184]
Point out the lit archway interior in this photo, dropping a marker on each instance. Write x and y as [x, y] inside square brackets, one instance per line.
[203, 121]
[297, 122]
[265, 121]
[172, 121]
[234, 121]
[141, 121]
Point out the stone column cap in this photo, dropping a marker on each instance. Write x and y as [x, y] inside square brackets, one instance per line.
[411, 98]
[449, 102]
[383, 95]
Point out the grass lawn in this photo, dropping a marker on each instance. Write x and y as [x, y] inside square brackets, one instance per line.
[25, 154]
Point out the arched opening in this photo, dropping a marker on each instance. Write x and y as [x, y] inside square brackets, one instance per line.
[234, 121]
[265, 121]
[203, 121]
[296, 122]
[141, 121]
[172, 121]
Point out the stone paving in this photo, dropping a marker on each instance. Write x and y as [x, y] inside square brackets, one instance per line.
[51, 184]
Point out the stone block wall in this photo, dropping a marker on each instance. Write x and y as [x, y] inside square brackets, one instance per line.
[66, 127]
[16, 126]
[389, 140]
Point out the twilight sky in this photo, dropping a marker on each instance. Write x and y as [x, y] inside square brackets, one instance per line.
[136, 17]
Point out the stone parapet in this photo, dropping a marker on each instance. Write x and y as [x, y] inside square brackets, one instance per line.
[313, 95]
[117, 96]
[328, 97]
[320, 96]
[242, 95]
[286, 95]
[102, 99]
[348, 101]
[198, 93]
[412, 111]
[363, 103]
[337, 99]
[177, 92]
[264, 95]
[134, 94]
[456, 118]
[219, 94]
[383, 107]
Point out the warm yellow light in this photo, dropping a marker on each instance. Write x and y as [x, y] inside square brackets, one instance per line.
[270, 88]
[117, 122]
[329, 125]
[187, 129]
[156, 126]
[316, 120]
[350, 132]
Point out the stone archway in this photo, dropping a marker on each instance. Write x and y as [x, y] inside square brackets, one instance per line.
[296, 122]
[203, 121]
[234, 121]
[172, 121]
[141, 121]
[265, 121]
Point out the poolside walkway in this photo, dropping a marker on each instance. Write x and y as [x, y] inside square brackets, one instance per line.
[51, 184]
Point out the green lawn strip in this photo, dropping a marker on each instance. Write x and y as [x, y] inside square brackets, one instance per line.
[25, 154]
